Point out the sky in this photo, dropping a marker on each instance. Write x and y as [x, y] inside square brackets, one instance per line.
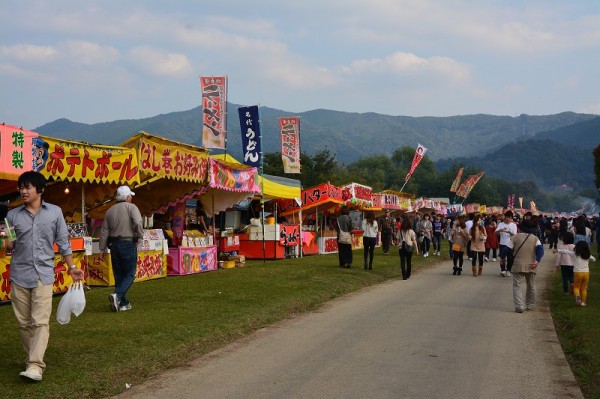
[100, 61]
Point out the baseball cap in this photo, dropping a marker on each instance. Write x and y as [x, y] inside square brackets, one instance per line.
[124, 191]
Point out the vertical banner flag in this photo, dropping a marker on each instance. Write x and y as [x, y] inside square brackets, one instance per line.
[510, 201]
[214, 118]
[416, 159]
[290, 144]
[250, 126]
[521, 202]
[456, 181]
[474, 181]
[533, 206]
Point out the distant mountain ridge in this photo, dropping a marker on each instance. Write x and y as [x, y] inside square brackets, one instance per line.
[348, 135]
[550, 150]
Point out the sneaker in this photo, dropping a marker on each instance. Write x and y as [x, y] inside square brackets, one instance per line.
[493, 259]
[530, 307]
[32, 373]
[113, 299]
[125, 308]
[486, 259]
[503, 273]
[508, 274]
[578, 300]
[583, 304]
[519, 310]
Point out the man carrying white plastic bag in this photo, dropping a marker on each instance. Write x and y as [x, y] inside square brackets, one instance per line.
[34, 227]
[72, 302]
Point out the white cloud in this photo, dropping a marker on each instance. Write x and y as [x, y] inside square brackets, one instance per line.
[159, 62]
[28, 53]
[90, 54]
[591, 109]
[401, 63]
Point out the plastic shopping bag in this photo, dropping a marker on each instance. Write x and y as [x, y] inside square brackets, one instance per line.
[78, 303]
[63, 313]
[73, 301]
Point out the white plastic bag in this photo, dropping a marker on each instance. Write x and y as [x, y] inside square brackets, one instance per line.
[73, 301]
[63, 313]
[78, 303]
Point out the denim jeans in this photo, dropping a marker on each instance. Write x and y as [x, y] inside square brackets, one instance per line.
[123, 255]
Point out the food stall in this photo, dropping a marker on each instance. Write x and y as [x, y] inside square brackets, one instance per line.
[84, 176]
[281, 240]
[315, 209]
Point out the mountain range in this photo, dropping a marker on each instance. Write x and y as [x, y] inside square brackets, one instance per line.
[551, 150]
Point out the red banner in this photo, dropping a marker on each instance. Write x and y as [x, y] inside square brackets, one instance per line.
[465, 188]
[290, 144]
[214, 103]
[456, 181]
[416, 159]
[313, 196]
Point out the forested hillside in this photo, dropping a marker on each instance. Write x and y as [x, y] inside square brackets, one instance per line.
[348, 135]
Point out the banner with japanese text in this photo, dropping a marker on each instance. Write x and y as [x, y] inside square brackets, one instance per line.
[290, 144]
[465, 188]
[251, 139]
[314, 196]
[456, 182]
[15, 151]
[214, 111]
[165, 158]
[420, 151]
[510, 203]
[532, 206]
[225, 177]
[75, 161]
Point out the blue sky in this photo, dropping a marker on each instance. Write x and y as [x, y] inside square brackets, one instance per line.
[99, 61]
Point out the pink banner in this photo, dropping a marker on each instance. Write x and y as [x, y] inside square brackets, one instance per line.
[16, 154]
[290, 144]
[225, 177]
[214, 103]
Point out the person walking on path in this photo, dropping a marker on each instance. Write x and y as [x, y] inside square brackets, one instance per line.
[478, 238]
[528, 252]
[491, 242]
[37, 226]
[387, 231]
[566, 261]
[426, 233]
[120, 232]
[369, 228]
[581, 268]
[437, 235]
[407, 243]
[506, 230]
[344, 223]
[459, 237]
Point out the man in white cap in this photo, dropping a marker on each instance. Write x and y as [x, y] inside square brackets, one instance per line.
[121, 230]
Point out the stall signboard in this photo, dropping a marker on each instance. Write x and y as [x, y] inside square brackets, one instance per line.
[62, 278]
[16, 155]
[74, 161]
[228, 178]
[390, 201]
[454, 209]
[289, 235]
[359, 195]
[159, 157]
[214, 112]
[311, 197]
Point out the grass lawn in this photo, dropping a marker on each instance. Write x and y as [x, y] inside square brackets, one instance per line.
[579, 330]
[177, 319]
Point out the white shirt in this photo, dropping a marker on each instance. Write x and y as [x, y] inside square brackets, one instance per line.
[369, 230]
[505, 237]
[579, 265]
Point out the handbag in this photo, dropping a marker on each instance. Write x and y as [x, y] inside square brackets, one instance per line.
[345, 237]
[456, 247]
[407, 248]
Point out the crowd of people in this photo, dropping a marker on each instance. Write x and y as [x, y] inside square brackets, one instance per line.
[515, 242]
